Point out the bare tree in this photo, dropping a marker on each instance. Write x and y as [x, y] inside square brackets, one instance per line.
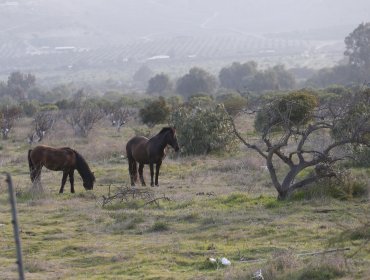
[43, 123]
[83, 118]
[8, 116]
[120, 116]
[289, 129]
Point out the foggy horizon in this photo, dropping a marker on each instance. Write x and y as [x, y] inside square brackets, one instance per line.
[43, 35]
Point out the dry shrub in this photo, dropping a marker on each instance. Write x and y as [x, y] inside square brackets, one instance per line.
[286, 265]
[34, 265]
[281, 262]
[344, 186]
[323, 268]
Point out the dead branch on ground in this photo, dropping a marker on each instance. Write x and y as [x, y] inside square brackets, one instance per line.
[128, 193]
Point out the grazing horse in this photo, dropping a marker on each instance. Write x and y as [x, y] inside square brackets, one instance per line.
[60, 159]
[142, 150]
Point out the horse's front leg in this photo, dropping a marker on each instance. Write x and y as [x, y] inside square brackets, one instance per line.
[141, 175]
[157, 167]
[72, 180]
[64, 180]
[151, 165]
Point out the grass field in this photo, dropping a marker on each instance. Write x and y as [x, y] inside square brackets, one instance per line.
[220, 206]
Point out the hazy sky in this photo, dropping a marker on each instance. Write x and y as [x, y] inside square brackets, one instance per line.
[142, 17]
[146, 28]
[247, 15]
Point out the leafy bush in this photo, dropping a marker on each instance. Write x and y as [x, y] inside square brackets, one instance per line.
[155, 112]
[237, 75]
[356, 121]
[291, 109]
[202, 130]
[160, 84]
[195, 82]
[233, 102]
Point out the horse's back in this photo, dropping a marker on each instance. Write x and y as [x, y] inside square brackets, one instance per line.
[53, 158]
[136, 148]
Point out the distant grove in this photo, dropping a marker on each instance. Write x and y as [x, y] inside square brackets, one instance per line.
[203, 108]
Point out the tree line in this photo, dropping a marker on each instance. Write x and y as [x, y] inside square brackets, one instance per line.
[310, 132]
[354, 69]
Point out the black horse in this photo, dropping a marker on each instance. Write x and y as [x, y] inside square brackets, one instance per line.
[60, 159]
[149, 151]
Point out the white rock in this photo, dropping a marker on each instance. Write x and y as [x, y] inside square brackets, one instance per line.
[225, 261]
[212, 260]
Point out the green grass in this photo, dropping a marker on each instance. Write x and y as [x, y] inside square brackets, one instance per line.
[210, 214]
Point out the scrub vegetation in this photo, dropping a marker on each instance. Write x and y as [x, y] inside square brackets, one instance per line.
[220, 205]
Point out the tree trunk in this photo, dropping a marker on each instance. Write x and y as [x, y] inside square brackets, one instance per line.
[285, 189]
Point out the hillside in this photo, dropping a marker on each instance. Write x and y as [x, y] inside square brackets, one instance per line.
[55, 38]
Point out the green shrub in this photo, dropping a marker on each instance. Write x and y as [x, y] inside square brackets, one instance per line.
[290, 109]
[203, 130]
[155, 112]
[233, 102]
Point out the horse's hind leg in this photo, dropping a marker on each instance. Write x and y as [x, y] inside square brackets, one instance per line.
[132, 169]
[36, 178]
[141, 168]
[72, 180]
[64, 180]
[35, 173]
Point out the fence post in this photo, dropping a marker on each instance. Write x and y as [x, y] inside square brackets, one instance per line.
[15, 226]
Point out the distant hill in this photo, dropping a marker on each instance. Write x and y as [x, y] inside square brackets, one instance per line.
[43, 35]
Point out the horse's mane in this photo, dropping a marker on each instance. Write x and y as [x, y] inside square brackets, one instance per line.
[83, 168]
[165, 129]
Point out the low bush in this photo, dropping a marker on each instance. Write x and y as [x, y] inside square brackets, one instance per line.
[203, 130]
[343, 187]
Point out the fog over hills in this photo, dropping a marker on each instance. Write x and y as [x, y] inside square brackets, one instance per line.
[44, 35]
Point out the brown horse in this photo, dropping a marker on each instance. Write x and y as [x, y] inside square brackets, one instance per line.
[60, 159]
[149, 151]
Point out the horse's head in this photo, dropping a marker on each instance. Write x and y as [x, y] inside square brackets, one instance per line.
[88, 182]
[173, 140]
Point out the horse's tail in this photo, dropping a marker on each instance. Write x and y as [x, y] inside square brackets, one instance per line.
[132, 167]
[30, 163]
